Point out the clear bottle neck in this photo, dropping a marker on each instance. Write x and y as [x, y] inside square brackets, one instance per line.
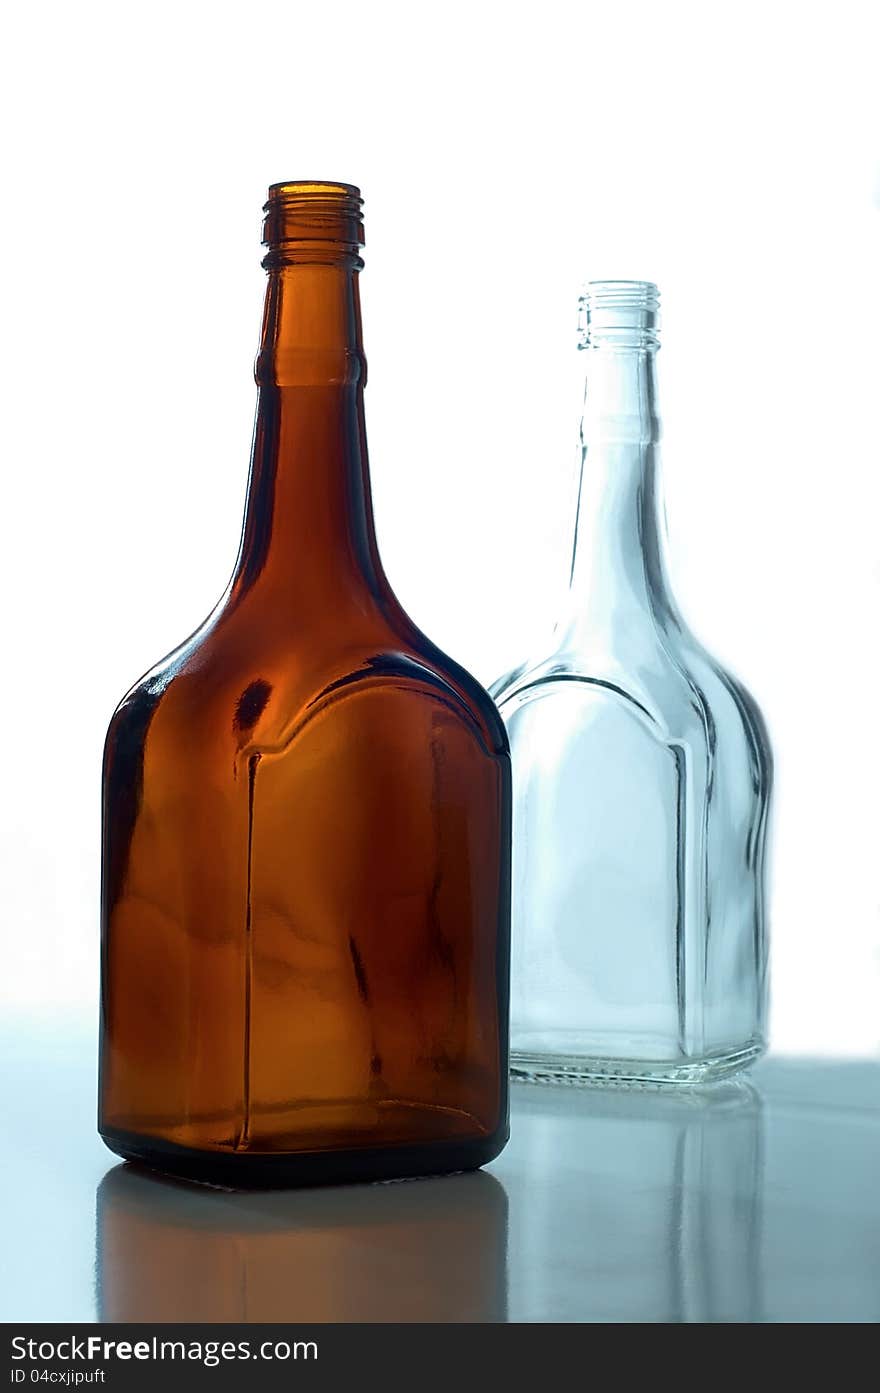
[618, 581]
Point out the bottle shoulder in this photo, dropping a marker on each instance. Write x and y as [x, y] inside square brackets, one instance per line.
[668, 679]
[241, 686]
[643, 674]
[736, 718]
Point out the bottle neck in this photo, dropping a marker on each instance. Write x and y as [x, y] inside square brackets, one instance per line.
[308, 532]
[618, 578]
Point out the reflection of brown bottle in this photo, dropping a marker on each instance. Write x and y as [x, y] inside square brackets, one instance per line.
[430, 1250]
[306, 817]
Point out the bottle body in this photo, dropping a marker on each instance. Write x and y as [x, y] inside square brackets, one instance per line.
[306, 835]
[641, 783]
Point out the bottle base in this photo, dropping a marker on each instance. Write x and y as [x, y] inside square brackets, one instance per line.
[632, 1073]
[285, 1170]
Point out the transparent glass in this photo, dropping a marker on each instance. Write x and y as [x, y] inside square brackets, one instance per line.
[642, 774]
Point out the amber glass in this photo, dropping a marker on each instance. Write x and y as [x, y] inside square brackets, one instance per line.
[306, 816]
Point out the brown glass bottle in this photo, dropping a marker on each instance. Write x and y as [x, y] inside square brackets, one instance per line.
[306, 817]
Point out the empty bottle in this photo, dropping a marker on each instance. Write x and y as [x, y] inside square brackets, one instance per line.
[641, 779]
[306, 816]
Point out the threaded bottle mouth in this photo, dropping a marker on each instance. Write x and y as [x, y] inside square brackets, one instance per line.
[313, 220]
[626, 313]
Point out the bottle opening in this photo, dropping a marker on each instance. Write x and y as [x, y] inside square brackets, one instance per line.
[626, 313]
[313, 220]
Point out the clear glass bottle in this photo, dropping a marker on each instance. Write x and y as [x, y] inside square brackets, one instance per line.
[641, 773]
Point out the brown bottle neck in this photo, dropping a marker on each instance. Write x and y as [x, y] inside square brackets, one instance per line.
[312, 327]
[308, 531]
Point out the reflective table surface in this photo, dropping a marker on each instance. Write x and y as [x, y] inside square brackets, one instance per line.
[754, 1201]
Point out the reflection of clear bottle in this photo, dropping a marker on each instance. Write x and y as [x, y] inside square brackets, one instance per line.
[655, 1203]
[641, 779]
[428, 1250]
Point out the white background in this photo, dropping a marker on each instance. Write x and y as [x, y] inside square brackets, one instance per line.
[505, 152]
